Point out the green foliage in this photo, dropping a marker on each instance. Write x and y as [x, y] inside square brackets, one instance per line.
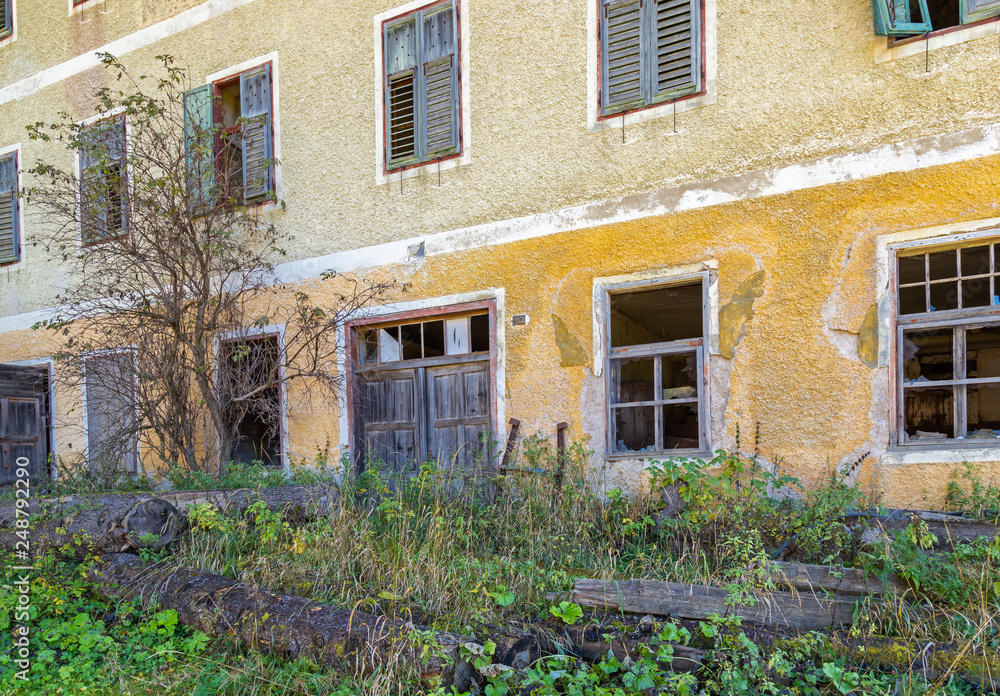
[254, 475]
[569, 612]
[968, 492]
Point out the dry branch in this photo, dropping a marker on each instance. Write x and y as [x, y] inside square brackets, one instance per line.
[284, 625]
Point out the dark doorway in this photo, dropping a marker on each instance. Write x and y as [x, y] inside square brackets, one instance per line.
[251, 371]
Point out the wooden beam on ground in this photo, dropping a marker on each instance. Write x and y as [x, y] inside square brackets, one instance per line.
[820, 578]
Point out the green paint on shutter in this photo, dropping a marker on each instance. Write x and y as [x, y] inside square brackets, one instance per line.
[103, 186]
[622, 55]
[976, 10]
[9, 243]
[676, 32]
[6, 18]
[255, 111]
[400, 47]
[893, 18]
[199, 147]
[439, 102]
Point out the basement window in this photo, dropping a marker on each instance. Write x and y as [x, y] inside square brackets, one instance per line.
[948, 345]
[250, 389]
[902, 18]
[656, 369]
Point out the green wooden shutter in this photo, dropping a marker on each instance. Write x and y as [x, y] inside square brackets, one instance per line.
[976, 10]
[892, 18]
[103, 185]
[439, 83]
[622, 55]
[255, 110]
[9, 243]
[400, 46]
[676, 35]
[6, 18]
[199, 149]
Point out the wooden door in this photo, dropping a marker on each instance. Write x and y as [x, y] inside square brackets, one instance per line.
[458, 415]
[391, 422]
[23, 432]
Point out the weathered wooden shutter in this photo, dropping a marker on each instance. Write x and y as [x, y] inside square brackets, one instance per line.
[103, 184]
[676, 36]
[622, 55]
[439, 83]
[10, 247]
[255, 110]
[6, 18]
[976, 10]
[401, 92]
[893, 18]
[199, 150]
[111, 417]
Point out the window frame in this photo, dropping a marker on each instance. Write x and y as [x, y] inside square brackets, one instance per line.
[14, 152]
[960, 320]
[385, 22]
[130, 352]
[118, 114]
[699, 346]
[9, 32]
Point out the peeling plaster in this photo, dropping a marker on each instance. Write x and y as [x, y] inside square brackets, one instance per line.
[571, 351]
[868, 343]
[737, 313]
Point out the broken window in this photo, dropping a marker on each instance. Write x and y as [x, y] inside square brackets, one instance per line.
[424, 392]
[948, 345]
[103, 182]
[10, 246]
[914, 17]
[229, 139]
[656, 372]
[421, 85]
[650, 52]
[249, 389]
[112, 421]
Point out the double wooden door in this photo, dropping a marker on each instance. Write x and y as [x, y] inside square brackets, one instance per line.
[23, 424]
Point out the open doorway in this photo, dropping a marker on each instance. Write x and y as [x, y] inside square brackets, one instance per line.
[250, 374]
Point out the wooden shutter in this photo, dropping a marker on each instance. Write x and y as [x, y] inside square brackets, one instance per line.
[976, 10]
[400, 46]
[676, 35]
[103, 184]
[6, 18]
[9, 243]
[622, 69]
[199, 150]
[439, 83]
[255, 110]
[893, 18]
[111, 417]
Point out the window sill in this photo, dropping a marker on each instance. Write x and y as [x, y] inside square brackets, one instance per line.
[887, 49]
[430, 168]
[943, 453]
[653, 112]
[633, 456]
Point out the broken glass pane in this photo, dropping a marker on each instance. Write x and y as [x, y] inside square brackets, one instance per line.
[943, 264]
[976, 292]
[635, 429]
[367, 346]
[433, 339]
[929, 414]
[409, 337]
[679, 376]
[944, 296]
[976, 261]
[635, 381]
[479, 330]
[911, 269]
[388, 344]
[656, 315]
[983, 408]
[927, 355]
[982, 346]
[680, 426]
[913, 300]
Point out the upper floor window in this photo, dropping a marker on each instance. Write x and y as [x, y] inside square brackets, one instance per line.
[10, 246]
[650, 52]
[229, 139]
[420, 84]
[948, 345]
[103, 180]
[913, 17]
[656, 369]
[6, 18]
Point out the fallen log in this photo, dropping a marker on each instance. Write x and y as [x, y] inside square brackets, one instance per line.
[126, 523]
[285, 625]
[949, 529]
[805, 611]
[845, 581]
[594, 643]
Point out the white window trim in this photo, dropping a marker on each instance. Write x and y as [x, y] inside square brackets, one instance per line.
[19, 264]
[602, 287]
[277, 330]
[443, 303]
[465, 130]
[124, 350]
[88, 4]
[596, 123]
[235, 70]
[49, 362]
[885, 53]
[887, 247]
[12, 37]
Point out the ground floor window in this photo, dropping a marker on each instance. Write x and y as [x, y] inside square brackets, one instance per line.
[423, 390]
[656, 367]
[948, 344]
[112, 424]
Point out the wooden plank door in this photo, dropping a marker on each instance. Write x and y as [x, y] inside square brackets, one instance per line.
[458, 406]
[391, 418]
[23, 432]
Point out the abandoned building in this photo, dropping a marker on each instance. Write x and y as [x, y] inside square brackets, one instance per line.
[668, 223]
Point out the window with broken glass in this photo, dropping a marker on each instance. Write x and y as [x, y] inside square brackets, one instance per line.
[656, 369]
[948, 346]
[903, 18]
